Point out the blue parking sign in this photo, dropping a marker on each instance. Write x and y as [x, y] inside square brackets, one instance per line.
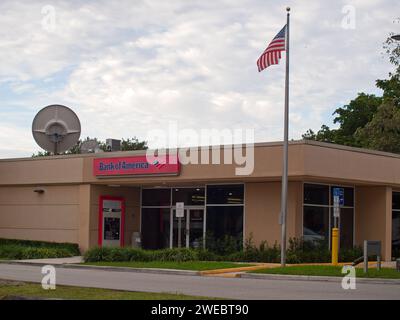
[339, 192]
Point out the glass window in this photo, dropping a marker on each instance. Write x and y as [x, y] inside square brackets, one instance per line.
[348, 196]
[396, 200]
[316, 194]
[155, 228]
[396, 234]
[156, 197]
[225, 194]
[318, 212]
[223, 221]
[190, 196]
[316, 223]
[346, 227]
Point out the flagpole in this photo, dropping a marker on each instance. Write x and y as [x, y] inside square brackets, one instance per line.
[284, 193]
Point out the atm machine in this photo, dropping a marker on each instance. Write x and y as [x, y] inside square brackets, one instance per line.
[111, 224]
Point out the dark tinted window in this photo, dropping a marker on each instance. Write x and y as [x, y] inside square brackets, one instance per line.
[316, 194]
[396, 200]
[225, 194]
[190, 196]
[348, 196]
[155, 228]
[396, 234]
[156, 197]
[316, 224]
[223, 221]
[346, 227]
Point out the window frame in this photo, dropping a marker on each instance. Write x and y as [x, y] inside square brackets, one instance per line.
[330, 185]
[206, 204]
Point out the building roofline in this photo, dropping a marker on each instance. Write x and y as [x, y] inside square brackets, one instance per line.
[256, 145]
[348, 148]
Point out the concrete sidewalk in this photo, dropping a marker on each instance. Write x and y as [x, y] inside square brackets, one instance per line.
[52, 261]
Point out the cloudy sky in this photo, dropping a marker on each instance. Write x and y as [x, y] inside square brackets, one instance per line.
[127, 67]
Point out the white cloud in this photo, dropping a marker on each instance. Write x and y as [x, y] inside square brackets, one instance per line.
[126, 67]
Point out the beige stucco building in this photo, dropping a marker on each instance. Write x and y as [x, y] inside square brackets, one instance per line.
[72, 199]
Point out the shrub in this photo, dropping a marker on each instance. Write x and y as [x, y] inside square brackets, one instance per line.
[73, 248]
[224, 246]
[206, 255]
[298, 251]
[113, 254]
[176, 254]
[94, 254]
[20, 252]
[25, 249]
[302, 251]
[348, 255]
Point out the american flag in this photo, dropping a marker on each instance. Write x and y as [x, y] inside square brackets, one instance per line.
[272, 54]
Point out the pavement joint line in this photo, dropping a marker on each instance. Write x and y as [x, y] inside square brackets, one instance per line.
[108, 268]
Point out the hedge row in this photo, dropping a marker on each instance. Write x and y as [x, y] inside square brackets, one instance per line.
[298, 252]
[111, 254]
[25, 249]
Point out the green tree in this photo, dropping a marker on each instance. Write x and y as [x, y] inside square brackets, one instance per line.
[126, 145]
[365, 115]
[133, 144]
[383, 131]
[350, 117]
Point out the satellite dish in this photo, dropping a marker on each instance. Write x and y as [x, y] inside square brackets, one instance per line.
[56, 128]
[90, 146]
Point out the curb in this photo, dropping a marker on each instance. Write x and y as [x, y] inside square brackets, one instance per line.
[138, 270]
[231, 270]
[315, 278]
[107, 268]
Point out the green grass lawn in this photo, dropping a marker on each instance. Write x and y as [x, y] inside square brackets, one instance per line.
[187, 265]
[79, 293]
[386, 273]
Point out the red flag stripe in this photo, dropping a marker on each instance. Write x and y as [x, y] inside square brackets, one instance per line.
[272, 54]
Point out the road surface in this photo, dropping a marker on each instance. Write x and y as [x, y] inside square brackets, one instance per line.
[233, 288]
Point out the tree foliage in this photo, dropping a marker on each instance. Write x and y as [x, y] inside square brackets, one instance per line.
[369, 121]
[383, 131]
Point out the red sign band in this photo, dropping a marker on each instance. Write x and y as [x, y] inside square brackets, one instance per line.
[136, 165]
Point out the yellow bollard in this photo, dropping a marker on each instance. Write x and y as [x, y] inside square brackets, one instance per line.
[335, 246]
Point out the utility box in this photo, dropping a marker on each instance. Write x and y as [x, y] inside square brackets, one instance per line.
[372, 248]
[113, 145]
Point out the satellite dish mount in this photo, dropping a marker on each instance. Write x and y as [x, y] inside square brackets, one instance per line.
[56, 128]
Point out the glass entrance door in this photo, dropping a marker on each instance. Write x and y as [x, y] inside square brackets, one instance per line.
[179, 230]
[196, 228]
[188, 231]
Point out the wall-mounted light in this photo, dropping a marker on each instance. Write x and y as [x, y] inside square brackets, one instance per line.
[39, 190]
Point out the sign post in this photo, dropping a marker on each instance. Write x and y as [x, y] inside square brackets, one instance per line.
[372, 248]
[180, 213]
[338, 201]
